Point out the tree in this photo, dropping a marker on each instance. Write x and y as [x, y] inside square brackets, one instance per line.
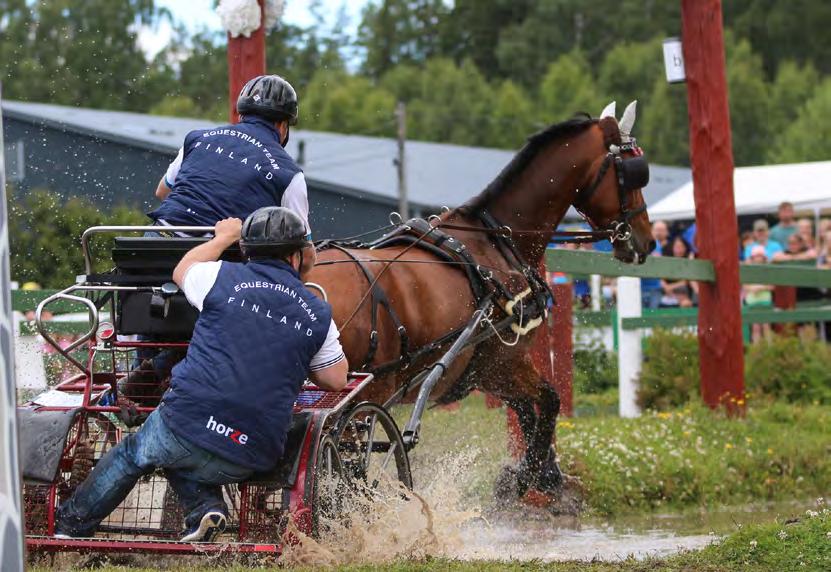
[568, 87]
[749, 103]
[45, 236]
[512, 117]
[663, 129]
[806, 139]
[793, 87]
[77, 52]
[630, 70]
[339, 102]
[401, 32]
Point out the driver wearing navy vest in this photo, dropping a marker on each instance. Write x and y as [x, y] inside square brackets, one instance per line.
[259, 335]
[233, 170]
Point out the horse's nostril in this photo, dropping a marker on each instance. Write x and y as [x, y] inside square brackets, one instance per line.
[652, 245]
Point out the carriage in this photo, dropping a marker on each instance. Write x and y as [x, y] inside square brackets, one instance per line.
[337, 442]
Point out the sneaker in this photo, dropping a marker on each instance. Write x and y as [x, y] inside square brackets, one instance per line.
[211, 526]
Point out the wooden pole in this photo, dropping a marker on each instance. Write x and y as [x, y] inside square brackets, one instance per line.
[719, 317]
[561, 335]
[401, 161]
[246, 59]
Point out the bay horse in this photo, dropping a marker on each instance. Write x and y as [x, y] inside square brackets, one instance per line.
[581, 162]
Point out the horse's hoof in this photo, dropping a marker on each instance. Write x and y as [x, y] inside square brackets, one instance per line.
[506, 487]
[572, 496]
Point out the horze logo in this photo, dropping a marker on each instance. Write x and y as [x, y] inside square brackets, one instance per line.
[230, 432]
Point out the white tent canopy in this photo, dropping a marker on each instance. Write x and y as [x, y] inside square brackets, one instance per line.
[759, 190]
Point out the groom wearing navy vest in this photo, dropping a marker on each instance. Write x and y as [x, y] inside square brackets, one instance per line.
[260, 334]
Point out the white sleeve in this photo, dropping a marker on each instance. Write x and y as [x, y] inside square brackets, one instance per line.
[173, 169]
[296, 198]
[199, 280]
[330, 352]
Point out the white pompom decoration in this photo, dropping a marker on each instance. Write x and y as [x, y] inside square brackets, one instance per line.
[240, 17]
[273, 11]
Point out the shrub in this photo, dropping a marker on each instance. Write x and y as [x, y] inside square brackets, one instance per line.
[669, 376]
[595, 367]
[786, 367]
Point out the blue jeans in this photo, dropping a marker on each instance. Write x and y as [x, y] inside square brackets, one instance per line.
[196, 475]
[651, 298]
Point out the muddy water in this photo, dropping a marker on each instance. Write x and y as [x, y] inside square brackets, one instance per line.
[441, 521]
[532, 534]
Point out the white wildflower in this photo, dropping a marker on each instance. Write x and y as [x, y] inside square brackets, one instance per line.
[782, 535]
[753, 544]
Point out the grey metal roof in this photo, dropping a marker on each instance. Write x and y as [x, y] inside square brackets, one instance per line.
[437, 173]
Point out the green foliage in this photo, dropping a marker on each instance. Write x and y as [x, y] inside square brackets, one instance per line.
[595, 367]
[806, 139]
[789, 368]
[749, 103]
[568, 87]
[45, 236]
[669, 376]
[697, 457]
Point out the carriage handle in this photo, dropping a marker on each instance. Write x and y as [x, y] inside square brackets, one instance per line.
[93, 312]
[85, 238]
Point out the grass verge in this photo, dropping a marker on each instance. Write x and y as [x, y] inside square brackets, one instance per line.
[675, 460]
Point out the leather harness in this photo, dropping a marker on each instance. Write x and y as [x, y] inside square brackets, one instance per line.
[482, 282]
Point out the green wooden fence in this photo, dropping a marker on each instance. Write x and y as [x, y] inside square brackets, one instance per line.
[785, 274]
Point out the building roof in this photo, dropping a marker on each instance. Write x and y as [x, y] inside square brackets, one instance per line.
[437, 173]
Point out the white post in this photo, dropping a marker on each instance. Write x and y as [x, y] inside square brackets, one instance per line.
[629, 353]
[11, 525]
[596, 293]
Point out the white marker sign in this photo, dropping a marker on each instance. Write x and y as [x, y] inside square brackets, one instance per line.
[674, 60]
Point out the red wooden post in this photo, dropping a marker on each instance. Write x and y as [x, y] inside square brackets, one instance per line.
[562, 345]
[719, 318]
[784, 297]
[246, 59]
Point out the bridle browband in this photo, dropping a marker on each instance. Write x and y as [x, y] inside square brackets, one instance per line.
[638, 177]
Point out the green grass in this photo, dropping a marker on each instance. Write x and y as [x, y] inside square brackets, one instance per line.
[660, 461]
[802, 545]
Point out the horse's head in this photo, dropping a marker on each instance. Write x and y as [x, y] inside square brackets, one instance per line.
[612, 197]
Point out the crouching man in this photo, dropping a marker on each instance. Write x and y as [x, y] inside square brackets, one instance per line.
[260, 333]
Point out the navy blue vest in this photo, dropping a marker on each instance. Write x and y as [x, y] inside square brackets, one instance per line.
[255, 338]
[230, 171]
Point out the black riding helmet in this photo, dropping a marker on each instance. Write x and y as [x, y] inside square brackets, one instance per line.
[273, 232]
[268, 96]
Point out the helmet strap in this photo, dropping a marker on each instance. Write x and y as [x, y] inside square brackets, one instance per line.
[288, 132]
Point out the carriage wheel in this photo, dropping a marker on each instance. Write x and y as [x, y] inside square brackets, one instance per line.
[371, 448]
[329, 486]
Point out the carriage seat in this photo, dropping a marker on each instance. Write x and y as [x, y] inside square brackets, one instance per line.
[149, 261]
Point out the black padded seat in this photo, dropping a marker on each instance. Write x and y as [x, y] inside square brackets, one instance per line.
[158, 255]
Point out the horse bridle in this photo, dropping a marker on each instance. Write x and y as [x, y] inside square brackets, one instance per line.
[630, 173]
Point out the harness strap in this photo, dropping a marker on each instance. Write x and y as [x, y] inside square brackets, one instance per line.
[379, 297]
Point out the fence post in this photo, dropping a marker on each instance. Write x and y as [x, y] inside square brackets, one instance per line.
[630, 352]
[562, 345]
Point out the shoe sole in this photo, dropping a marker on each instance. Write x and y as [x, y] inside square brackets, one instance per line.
[211, 526]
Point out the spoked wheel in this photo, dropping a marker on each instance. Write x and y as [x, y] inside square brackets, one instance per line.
[371, 448]
[329, 486]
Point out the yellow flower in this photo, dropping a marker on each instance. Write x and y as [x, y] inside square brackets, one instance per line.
[566, 425]
[770, 451]
[686, 433]
[740, 402]
[728, 445]
[748, 439]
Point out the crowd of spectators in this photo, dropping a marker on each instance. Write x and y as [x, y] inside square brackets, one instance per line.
[790, 240]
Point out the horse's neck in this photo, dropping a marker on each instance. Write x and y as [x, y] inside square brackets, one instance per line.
[538, 199]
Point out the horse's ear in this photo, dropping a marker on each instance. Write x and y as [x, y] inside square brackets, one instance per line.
[627, 120]
[609, 110]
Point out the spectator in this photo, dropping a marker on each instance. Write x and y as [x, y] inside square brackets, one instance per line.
[824, 254]
[678, 293]
[796, 250]
[761, 237]
[651, 290]
[745, 239]
[805, 229]
[689, 238]
[787, 224]
[824, 226]
[758, 295]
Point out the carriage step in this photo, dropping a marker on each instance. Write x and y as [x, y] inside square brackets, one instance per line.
[52, 544]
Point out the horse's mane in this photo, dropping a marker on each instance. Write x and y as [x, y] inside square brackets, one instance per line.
[525, 155]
